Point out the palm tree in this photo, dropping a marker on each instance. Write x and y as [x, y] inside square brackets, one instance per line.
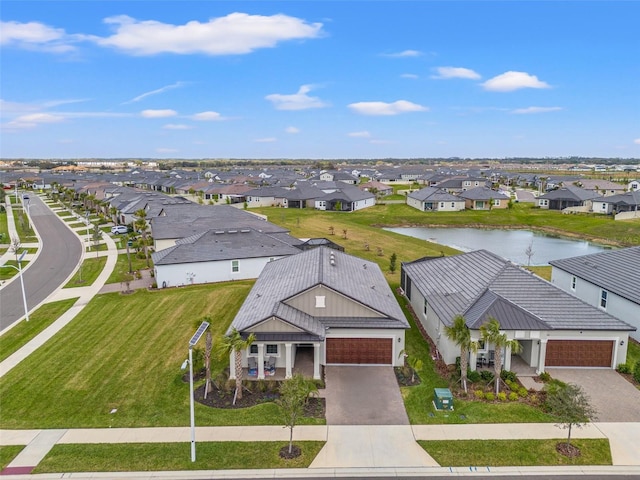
[235, 343]
[490, 332]
[141, 226]
[460, 334]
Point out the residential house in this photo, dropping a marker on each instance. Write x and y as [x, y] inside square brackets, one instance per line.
[219, 255]
[554, 328]
[459, 184]
[379, 189]
[565, 197]
[434, 199]
[336, 176]
[336, 305]
[601, 187]
[633, 186]
[484, 198]
[608, 280]
[623, 202]
[343, 198]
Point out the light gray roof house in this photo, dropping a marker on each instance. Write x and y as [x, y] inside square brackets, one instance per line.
[435, 194]
[481, 284]
[354, 278]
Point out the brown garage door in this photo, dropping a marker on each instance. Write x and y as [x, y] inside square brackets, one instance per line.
[359, 350]
[579, 353]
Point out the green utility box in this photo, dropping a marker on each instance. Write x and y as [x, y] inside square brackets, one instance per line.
[442, 399]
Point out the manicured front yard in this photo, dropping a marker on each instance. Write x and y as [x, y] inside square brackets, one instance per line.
[122, 267]
[145, 457]
[503, 453]
[125, 352]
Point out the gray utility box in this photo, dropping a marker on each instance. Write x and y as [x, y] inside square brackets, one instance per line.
[442, 399]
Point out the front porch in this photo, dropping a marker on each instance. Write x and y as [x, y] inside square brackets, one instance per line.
[297, 358]
[303, 365]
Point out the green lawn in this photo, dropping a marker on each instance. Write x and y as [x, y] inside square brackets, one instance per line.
[44, 316]
[4, 229]
[503, 453]
[64, 213]
[125, 352]
[88, 272]
[8, 453]
[122, 267]
[633, 353]
[137, 457]
[6, 273]
[25, 232]
[541, 271]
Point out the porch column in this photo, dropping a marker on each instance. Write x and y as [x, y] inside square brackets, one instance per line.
[507, 358]
[287, 359]
[232, 365]
[473, 358]
[316, 361]
[542, 354]
[261, 360]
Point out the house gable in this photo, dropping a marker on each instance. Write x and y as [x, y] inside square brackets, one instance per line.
[272, 325]
[321, 301]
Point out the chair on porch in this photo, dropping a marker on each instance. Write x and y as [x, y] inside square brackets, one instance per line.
[270, 366]
[253, 367]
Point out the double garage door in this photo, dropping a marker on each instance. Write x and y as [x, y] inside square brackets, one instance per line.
[373, 351]
[579, 353]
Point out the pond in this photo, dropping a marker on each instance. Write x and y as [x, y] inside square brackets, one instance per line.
[510, 244]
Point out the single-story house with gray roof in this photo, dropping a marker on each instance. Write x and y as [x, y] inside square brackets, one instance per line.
[554, 328]
[219, 255]
[565, 197]
[608, 280]
[484, 198]
[434, 199]
[337, 305]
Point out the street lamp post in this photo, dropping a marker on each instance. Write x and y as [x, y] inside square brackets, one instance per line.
[24, 295]
[196, 336]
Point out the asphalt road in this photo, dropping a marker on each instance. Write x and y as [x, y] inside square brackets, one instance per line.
[60, 253]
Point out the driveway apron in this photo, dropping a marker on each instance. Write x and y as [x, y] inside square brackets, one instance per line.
[615, 399]
[363, 395]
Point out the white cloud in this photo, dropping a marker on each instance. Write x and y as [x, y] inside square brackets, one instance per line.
[266, 140]
[292, 130]
[32, 120]
[637, 141]
[234, 34]
[166, 150]
[362, 134]
[404, 53]
[412, 76]
[383, 108]
[529, 110]
[206, 116]
[158, 113]
[510, 81]
[455, 72]
[177, 126]
[35, 36]
[296, 101]
[155, 92]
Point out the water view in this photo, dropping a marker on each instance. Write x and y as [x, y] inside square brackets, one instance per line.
[510, 244]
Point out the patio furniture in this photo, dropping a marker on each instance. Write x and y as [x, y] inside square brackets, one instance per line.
[270, 366]
[253, 367]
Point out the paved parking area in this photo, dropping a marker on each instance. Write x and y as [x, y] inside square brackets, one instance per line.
[615, 398]
[363, 395]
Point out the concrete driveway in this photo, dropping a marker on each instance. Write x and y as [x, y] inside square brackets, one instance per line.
[615, 398]
[363, 395]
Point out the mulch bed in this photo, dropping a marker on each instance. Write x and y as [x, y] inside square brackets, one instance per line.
[569, 450]
[295, 452]
[403, 376]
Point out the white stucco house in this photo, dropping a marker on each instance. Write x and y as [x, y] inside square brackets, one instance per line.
[336, 305]
[609, 280]
[554, 328]
[433, 199]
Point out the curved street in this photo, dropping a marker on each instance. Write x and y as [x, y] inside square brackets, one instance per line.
[60, 253]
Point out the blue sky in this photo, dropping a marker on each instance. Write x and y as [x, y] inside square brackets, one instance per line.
[319, 79]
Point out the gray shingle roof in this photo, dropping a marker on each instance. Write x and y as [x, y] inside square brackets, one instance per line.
[350, 276]
[435, 194]
[483, 193]
[617, 271]
[227, 244]
[573, 193]
[462, 284]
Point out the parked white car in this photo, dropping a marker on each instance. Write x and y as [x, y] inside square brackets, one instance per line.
[118, 229]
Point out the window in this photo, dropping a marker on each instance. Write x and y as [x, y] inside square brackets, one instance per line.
[453, 204]
[253, 349]
[573, 283]
[481, 346]
[320, 301]
[441, 204]
[272, 349]
[603, 299]
[235, 266]
[426, 306]
[496, 202]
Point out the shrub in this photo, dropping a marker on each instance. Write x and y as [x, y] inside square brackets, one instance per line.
[502, 397]
[474, 376]
[490, 396]
[513, 396]
[636, 371]
[545, 377]
[623, 368]
[486, 375]
[523, 392]
[479, 394]
[508, 375]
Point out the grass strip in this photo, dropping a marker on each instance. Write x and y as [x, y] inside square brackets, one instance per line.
[119, 273]
[22, 333]
[6, 273]
[4, 228]
[513, 453]
[136, 457]
[87, 273]
[8, 453]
